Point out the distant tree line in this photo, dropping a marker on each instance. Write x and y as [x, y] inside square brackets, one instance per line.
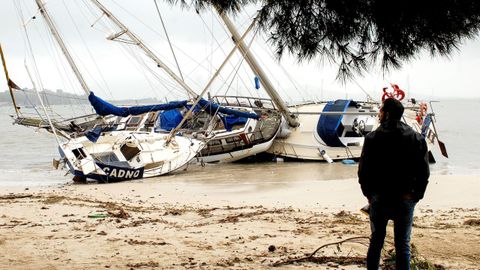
[28, 97]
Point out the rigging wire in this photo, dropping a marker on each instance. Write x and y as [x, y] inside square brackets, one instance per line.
[57, 62]
[126, 50]
[60, 62]
[168, 39]
[294, 83]
[229, 40]
[161, 36]
[219, 46]
[39, 81]
[100, 73]
[242, 59]
[247, 86]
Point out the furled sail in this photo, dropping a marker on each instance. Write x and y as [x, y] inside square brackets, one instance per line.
[104, 108]
[213, 108]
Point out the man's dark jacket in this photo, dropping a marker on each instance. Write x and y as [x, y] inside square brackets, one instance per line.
[394, 162]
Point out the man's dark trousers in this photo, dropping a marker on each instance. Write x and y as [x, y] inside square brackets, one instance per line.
[401, 212]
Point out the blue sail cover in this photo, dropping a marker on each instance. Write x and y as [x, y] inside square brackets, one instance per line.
[104, 108]
[213, 108]
[328, 125]
[230, 120]
[170, 119]
[94, 134]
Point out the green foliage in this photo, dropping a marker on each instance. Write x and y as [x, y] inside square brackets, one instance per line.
[417, 262]
[359, 34]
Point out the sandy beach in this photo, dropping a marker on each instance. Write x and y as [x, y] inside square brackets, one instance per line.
[175, 222]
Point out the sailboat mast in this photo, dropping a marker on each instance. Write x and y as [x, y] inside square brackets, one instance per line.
[63, 47]
[253, 63]
[8, 81]
[138, 42]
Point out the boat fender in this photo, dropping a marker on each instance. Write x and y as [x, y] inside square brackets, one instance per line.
[348, 162]
[324, 155]
[284, 130]
[257, 83]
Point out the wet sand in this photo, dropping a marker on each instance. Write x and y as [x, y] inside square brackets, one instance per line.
[233, 219]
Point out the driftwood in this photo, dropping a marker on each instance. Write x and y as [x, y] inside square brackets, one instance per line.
[343, 260]
[15, 196]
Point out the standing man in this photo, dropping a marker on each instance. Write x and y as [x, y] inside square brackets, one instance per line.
[393, 174]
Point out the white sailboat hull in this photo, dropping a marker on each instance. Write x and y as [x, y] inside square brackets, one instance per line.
[128, 155]
[303, 142]
[238, 154]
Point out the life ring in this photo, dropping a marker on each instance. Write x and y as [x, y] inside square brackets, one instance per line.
[397, 93]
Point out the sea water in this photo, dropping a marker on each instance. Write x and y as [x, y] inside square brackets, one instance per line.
[26, 154]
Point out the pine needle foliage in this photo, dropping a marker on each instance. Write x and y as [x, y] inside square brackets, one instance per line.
[357, 35]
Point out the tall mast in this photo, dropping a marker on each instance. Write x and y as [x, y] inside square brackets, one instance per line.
[60, 42]
[253, 63]
[8, 81]
[138, 42]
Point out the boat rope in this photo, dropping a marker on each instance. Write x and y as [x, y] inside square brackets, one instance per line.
[294, 83]
[168, 39]
[187, 115]
[247, 86]
[61, 66]
[40, 82]
[55, 57]
[98, 70]
[242, 59]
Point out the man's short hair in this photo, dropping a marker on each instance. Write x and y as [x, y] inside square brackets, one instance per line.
[394, 108]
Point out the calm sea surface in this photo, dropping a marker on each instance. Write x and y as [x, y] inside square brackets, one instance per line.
[26, 155]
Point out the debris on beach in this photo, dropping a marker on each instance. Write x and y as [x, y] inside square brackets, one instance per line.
[120, 213]
[15, 196]
[472, 222]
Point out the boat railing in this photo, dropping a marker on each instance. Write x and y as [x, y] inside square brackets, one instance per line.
[236, 141]
[241, 101]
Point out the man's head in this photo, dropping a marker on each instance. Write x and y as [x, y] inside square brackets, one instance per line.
[391, 109]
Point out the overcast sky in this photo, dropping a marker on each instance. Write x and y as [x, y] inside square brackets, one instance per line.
[108, 68]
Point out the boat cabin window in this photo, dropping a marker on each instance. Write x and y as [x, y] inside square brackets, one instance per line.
[214, 142]
[79, 153]
[129, 152]
[233, 139]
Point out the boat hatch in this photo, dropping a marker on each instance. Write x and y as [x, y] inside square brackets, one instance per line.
[129, 152]
[106, 157]
[133, 122]
[79, 153]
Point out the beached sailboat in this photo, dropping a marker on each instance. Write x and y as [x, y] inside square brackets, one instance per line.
[114, 154]
[234, 131]
[331, 130]
[136, 142]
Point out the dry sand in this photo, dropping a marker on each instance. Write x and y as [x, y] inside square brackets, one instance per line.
[177, 223]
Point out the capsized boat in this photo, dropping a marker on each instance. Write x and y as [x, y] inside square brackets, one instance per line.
[230, 135]
[335, 130]
[106, 153]
[331, 130]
